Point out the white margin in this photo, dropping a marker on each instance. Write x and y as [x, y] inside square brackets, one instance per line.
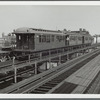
[80, 3]
[74, 3]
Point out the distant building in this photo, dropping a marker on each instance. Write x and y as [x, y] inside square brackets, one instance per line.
[7, 40]
[1, 42]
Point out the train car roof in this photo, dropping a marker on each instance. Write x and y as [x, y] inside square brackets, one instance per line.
[43, 31]
[36, 31]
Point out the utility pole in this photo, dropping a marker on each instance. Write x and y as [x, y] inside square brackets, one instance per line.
[29, 58]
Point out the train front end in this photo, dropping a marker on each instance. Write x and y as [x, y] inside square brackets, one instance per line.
[24, 41]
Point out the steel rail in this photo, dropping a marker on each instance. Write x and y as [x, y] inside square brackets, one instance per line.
[19, 73]
[31, 80]
[48, 78]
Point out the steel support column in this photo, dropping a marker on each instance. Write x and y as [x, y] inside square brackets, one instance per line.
[67, 57]
[40, 55]
[88, 50]
[50, 64]
[76, 54]
[15, 71]
[96, 39]
[59, 60]
[35, 71]
[46, 65]
[29, 58]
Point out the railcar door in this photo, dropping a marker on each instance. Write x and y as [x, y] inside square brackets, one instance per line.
[67, 40]
[28, 41]
[82, 39]
[25, 42]
[31, 41]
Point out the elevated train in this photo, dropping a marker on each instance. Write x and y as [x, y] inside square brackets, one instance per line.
[29, 40]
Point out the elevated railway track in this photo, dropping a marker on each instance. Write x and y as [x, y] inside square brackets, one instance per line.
[46, 81]
[6, 67]
[43, 48]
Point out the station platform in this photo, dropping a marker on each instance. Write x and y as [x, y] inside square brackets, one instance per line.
[82, 78]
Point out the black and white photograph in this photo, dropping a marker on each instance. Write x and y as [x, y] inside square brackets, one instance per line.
[49, 49]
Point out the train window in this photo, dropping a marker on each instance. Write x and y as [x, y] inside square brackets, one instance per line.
[48, 38]
[57, 38]
[43, 38]
[19, 37]
[60, 38]
[52, 38]
[63, 38]
[80, 38]
[72, 38]
[86, 38]
[40, 38]
[90, 38]
[27, 37]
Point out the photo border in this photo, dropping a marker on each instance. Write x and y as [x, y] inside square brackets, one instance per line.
[50, 96]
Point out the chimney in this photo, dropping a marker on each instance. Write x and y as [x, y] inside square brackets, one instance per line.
[80, 29]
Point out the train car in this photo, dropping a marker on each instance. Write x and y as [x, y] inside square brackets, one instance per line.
[32, 40]
[38, 39]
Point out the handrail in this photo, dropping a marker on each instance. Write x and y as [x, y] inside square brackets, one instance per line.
[47, 57]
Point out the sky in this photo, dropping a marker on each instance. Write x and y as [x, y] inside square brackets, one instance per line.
[53, 17]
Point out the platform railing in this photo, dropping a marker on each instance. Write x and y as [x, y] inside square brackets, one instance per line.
[49, 56]
[41, 75]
